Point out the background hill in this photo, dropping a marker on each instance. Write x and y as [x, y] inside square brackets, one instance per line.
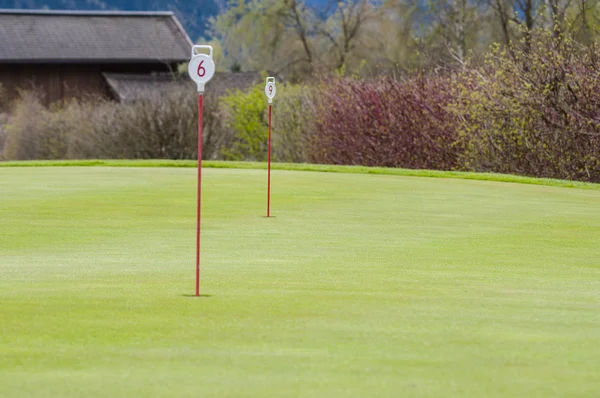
[192, 13]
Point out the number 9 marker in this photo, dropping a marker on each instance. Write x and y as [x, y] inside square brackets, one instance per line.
[270, 89]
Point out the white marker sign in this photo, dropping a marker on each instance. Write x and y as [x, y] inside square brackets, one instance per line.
[202, 67]
[270, 89]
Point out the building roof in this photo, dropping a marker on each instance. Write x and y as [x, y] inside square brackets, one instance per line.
[131, 87]
[91, 37]
[223, 82]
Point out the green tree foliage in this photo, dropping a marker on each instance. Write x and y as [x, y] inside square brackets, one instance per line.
[245, 114]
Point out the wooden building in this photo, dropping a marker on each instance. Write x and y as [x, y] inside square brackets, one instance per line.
[72, 54]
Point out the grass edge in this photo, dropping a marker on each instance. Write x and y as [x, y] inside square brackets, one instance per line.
[495, 177]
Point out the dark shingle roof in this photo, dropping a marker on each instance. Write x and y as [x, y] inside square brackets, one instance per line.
[222, 82]
[131, 87]
[71, 36]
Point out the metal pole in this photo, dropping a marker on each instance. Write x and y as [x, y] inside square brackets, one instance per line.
[200, 97]
[269, 166]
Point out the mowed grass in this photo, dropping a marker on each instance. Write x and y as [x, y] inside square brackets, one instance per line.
[361, 286]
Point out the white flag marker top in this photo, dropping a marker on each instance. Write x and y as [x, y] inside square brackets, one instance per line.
[270, 89]
[201, 67]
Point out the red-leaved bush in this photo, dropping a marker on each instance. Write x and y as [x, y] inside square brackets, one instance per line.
[384, 122]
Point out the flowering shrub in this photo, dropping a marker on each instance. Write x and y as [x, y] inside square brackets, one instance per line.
[534, 112]
[293, 124]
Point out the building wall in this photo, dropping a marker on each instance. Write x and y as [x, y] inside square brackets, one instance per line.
[58, 82]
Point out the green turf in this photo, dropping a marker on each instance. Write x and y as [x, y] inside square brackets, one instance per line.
[361, 286]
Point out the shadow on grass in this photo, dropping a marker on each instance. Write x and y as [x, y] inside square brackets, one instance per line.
[200, 296]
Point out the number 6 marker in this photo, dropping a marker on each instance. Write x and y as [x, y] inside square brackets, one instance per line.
[202, 67]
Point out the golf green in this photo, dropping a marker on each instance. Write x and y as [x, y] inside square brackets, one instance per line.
[360, 286]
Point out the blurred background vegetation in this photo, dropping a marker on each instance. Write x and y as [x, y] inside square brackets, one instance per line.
[509, 86]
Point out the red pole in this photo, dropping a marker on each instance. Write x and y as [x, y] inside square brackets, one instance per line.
[199, 194]
[269, 166]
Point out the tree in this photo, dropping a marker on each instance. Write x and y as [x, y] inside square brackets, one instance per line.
[277, 35]
[289, 37]
[344, 28]
[457, 25]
